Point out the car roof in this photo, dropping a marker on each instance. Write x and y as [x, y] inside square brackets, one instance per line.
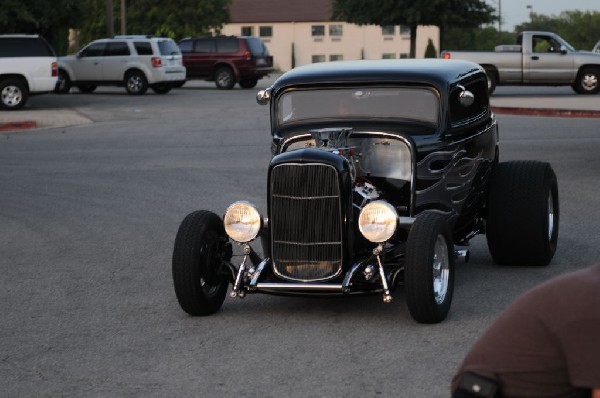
[441, 74]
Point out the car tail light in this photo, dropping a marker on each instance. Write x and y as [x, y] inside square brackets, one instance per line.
[54, 69]
[156, 62]
[446, 56]
[247, 55]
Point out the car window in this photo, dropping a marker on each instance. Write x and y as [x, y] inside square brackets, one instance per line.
[401, 103]
[257, 47]
[168, 47]
[25, 47]
[186, 46]
[143, 47]
[204, 46]
[117, 48]
[93, 50]
[228, 45]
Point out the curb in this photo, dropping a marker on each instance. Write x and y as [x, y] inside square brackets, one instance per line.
[20, 125]
[502, 110]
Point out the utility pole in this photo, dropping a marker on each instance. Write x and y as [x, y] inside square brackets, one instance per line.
[110, 32]
[499, 16]
[123, 18]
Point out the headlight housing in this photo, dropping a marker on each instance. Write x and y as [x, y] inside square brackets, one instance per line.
[242, 222]
[378, 221]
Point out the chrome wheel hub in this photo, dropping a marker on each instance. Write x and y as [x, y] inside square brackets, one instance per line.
[441, 269]
[134, 83]
[589, 81]
[11, 96]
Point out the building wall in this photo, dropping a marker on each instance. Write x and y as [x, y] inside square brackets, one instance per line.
[355, 42]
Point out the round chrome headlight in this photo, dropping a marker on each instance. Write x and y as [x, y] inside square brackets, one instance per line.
[377, 221]
[242, 222]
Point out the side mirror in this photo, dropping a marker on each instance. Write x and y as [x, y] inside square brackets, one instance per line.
[563, 50]
[465, 97]
[78, 54]
[263, 97]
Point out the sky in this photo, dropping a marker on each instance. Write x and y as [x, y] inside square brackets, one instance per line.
[515, 12]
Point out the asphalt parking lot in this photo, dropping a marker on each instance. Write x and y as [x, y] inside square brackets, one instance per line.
[89, 214]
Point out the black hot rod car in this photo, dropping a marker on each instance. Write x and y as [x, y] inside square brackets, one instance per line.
[380, 170]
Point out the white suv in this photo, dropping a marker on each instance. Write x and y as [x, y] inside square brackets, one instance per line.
[27, 67]
[136, 62]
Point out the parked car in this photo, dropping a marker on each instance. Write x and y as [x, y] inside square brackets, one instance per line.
[135, 62]
[27, 67]
[226, 60]
[381, 170]
[538, 58]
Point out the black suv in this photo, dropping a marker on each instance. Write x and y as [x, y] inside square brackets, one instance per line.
[226, 60]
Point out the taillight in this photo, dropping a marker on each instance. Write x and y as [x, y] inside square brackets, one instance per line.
[446, 56]
[156, 62]
[247, 55]
[54, 69]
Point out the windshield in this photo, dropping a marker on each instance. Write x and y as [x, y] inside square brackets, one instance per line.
[397, 103]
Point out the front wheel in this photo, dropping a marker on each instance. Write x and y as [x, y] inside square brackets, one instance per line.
[588, 81]
[429, 268]
[136, 83]
[63, 85]
[161, 88]
[87, 88]
[199, 274]
[248, 83]
[224, 78]
[522, 213]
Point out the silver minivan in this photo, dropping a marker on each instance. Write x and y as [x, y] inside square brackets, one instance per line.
[135, 62]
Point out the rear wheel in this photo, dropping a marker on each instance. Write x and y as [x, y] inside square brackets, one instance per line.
[224, 78]
[429, 268]
[136, 83]
[588, 81]
[522, 213]
[13, 94]
[199, 276]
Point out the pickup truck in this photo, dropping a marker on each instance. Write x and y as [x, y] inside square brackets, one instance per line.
[538, 58]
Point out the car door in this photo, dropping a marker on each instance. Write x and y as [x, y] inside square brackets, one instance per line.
[546, 63]
[115, 58]
[199, 62]
[88, 64]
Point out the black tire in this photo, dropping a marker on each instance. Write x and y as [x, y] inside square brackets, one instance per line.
[492, 80]
[201, 246]
[161, 88]
[87, 88]
[248, 83]
[224, 78]
[13, 94]
[588, 81]
[428, 289]
[136, 82]
[522, 213]
[63, 85]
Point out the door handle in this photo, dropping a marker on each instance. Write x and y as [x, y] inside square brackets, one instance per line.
[535, 58]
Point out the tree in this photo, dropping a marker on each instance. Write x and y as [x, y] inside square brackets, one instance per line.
[443, 13]
[475, 39]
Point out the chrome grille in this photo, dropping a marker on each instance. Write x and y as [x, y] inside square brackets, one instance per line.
[306, 221]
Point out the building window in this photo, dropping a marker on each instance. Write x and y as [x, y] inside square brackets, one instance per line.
[318, 58]
[318, 30]
[336, 57]
[388, 30]
[404, 30]
[403, 55]
[336, 30]
[247, 31]
[388, 56]
[265, 31]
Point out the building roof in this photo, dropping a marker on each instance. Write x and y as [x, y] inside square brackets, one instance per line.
[253, 11]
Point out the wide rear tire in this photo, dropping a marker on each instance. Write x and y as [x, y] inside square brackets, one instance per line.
[201, 247]
[522, 213]
[429, 268]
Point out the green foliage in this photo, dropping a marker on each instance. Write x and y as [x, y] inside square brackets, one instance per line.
[430, 51]
[475, 39]
[580, 28]
[443, 13]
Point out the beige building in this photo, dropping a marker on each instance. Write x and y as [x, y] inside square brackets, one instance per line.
[306, 28]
